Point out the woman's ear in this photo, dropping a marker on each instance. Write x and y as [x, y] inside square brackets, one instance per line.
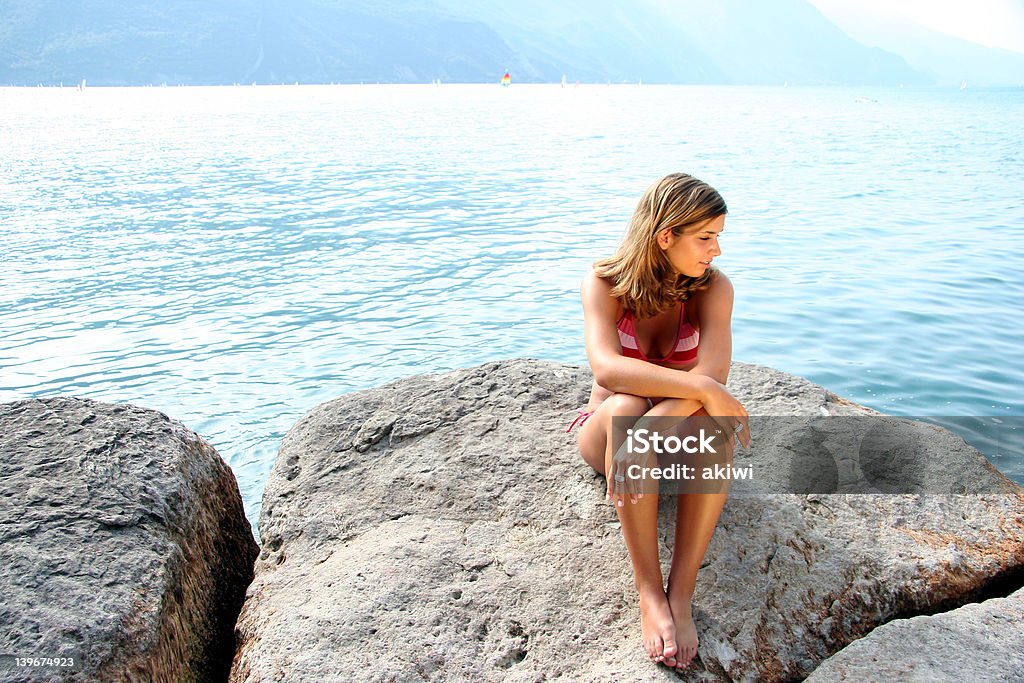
[665, 238]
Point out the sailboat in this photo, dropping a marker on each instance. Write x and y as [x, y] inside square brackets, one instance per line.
[963, 85]
[506, 80]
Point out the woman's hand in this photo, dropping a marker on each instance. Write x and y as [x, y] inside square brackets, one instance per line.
[726, 411]
[622, 486]
[625, 489]
[626, 480]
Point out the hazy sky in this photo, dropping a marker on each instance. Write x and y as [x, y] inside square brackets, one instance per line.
[995, 23]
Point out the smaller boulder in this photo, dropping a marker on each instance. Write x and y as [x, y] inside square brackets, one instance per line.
[123, 544]
[977, 642]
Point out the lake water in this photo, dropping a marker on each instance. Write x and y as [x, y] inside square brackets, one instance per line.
[235, 256]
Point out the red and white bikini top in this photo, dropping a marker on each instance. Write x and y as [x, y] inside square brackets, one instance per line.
[684, 351]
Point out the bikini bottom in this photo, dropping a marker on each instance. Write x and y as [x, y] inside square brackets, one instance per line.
[583, 414]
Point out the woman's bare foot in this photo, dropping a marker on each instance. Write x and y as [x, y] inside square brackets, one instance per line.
[659, 631]
[686, 630]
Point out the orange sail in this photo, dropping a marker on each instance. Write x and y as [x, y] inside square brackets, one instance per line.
[506, 80]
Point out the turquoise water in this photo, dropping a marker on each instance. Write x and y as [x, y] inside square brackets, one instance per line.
[235, 256]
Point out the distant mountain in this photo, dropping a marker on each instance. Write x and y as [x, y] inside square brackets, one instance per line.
[945, 59]
[138, 42]
[767, 43]
[594, 40]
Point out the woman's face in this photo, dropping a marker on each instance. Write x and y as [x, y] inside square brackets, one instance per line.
[691, 253]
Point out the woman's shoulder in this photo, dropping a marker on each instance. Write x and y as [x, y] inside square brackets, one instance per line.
[596, 292]
[718, 285]
[595, 284]
[718, 294]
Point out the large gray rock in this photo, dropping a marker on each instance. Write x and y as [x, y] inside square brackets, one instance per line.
[977, 642]
[444, 528]
[123, 544]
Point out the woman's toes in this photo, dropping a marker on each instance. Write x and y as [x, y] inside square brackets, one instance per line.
[671, 652]
[685, 657]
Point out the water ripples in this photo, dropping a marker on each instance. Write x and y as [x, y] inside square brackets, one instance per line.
[234, 256]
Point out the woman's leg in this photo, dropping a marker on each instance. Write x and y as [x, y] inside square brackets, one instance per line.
[696, 518]
[639, 522]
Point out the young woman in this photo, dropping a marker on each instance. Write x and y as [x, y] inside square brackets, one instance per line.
[657, 321]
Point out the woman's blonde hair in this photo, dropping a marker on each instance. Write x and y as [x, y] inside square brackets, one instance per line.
[641, 275]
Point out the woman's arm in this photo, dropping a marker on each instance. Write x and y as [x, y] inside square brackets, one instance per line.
[714, 354]
[714, 313]
[616, 372]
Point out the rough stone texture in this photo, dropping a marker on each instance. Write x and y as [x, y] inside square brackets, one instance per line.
[977, 642]
[122, 542]
[444, 528]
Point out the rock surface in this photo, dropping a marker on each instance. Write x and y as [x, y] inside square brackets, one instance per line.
[976, 642]
[444, 528]
[123, 544]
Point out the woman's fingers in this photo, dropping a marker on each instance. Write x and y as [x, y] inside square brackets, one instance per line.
[734, 415]
[739, 426]
[615, 487]
[736, 426]
[620, 499]
[621, 489]
[740, 422]
[743, 430]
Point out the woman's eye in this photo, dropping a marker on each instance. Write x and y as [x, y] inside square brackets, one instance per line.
[705, 238]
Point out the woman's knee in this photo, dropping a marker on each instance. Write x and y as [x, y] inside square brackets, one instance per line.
[626, 405]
